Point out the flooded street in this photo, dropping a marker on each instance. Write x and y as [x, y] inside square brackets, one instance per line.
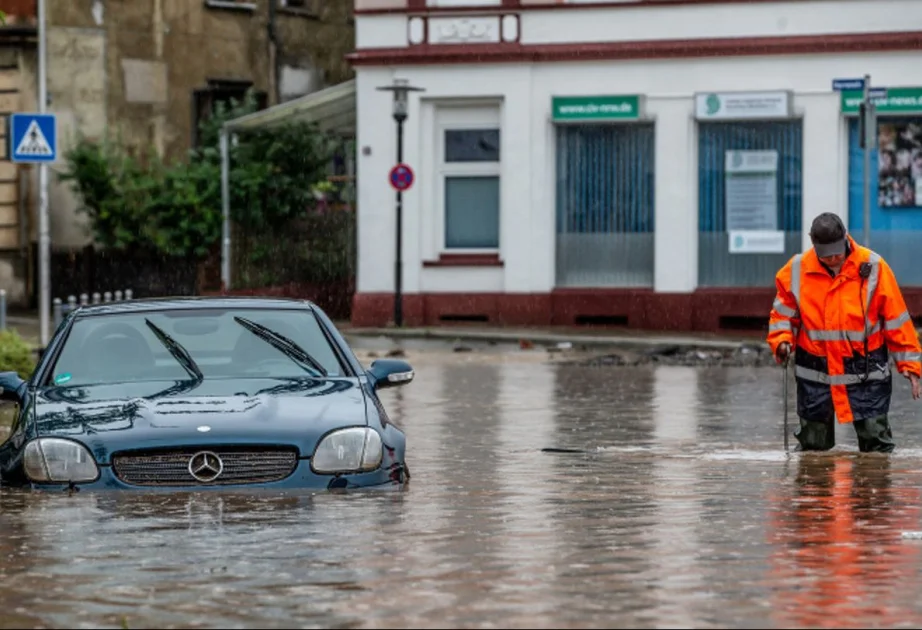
[682, 511]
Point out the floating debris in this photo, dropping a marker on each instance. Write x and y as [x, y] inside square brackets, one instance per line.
[742, 356]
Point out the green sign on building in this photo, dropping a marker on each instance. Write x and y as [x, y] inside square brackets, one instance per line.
[595, 108]
[897, 101]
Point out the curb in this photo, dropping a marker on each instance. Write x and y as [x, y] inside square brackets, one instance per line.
[622, 341]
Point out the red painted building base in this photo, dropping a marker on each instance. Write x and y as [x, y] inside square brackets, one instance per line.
[704, 310]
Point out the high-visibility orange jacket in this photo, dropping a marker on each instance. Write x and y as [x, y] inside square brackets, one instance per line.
[827, 321]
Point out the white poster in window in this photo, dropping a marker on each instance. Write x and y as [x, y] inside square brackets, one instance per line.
[752, 190]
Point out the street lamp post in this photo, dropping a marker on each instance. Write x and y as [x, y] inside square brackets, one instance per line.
[401, 89]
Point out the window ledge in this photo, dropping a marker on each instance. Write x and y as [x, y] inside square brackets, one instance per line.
[465, 260]
[231, 5]
[301, 12]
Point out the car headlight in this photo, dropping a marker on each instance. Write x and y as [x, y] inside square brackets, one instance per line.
[56, 460]
[357, 449]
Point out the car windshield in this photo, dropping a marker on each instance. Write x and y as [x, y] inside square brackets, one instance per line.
[183, 344]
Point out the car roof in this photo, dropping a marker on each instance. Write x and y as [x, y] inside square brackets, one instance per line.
[148, 305]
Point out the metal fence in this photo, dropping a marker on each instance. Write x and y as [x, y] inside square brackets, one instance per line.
[62, 309]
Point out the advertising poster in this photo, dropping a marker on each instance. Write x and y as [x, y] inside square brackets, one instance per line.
[900, 164]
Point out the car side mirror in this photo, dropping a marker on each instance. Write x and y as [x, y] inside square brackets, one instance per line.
[12, 388]
[390, 373]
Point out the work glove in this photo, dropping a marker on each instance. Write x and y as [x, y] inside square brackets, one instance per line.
[783, 352]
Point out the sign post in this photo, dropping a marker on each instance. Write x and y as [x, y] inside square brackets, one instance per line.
[401, 89]
[867, 133]
[44, 230]
[401, 178]
[33, 139]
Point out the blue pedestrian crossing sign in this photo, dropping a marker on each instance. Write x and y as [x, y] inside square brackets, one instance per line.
[33, 138]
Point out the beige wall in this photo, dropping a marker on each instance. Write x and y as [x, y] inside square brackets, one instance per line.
[77, 94]
[17, 83]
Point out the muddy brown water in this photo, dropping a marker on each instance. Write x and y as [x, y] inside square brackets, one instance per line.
[682, 511]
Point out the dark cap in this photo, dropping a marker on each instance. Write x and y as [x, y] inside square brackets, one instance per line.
[829, 235]
[830, 249]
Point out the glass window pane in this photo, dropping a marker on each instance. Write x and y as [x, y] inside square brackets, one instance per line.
[122, 348]
[472, 145]
[472, 212]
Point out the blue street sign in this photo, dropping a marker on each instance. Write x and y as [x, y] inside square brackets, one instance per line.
[878, 92]
[33, 138]
[847, 85]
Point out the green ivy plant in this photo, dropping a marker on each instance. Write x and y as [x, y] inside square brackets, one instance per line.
[145, 204]
[15, 354]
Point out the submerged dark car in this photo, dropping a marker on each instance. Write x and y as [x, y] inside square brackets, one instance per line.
[197, 393]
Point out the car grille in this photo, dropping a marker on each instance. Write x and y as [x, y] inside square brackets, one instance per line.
[239, 465]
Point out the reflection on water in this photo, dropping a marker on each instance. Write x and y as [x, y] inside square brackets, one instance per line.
[838, 555]
[683, 511]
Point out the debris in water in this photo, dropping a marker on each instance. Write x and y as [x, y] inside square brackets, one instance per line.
[743, 355]
[607, 359]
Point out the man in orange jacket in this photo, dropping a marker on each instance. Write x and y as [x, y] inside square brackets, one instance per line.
[839, 307]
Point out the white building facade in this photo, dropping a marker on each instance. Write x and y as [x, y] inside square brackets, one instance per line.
[644, 164]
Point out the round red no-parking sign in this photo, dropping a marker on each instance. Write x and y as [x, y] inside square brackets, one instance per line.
[401, 177]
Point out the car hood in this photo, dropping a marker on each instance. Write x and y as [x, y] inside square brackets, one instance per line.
[110, 418]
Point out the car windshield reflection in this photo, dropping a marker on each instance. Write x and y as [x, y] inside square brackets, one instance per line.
[194, 344]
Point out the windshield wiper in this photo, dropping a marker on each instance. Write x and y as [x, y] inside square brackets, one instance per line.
[179, 353]
[283, 344]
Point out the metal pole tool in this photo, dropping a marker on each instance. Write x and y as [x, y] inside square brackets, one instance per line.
[787, 362]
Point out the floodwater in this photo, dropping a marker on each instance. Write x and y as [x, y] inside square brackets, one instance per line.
[684, 511]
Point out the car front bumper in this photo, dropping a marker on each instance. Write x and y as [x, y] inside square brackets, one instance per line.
[392, 477]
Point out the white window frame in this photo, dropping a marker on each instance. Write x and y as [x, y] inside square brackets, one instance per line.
[465, 117]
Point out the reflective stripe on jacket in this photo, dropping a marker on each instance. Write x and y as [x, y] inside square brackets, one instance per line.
[827, 320]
